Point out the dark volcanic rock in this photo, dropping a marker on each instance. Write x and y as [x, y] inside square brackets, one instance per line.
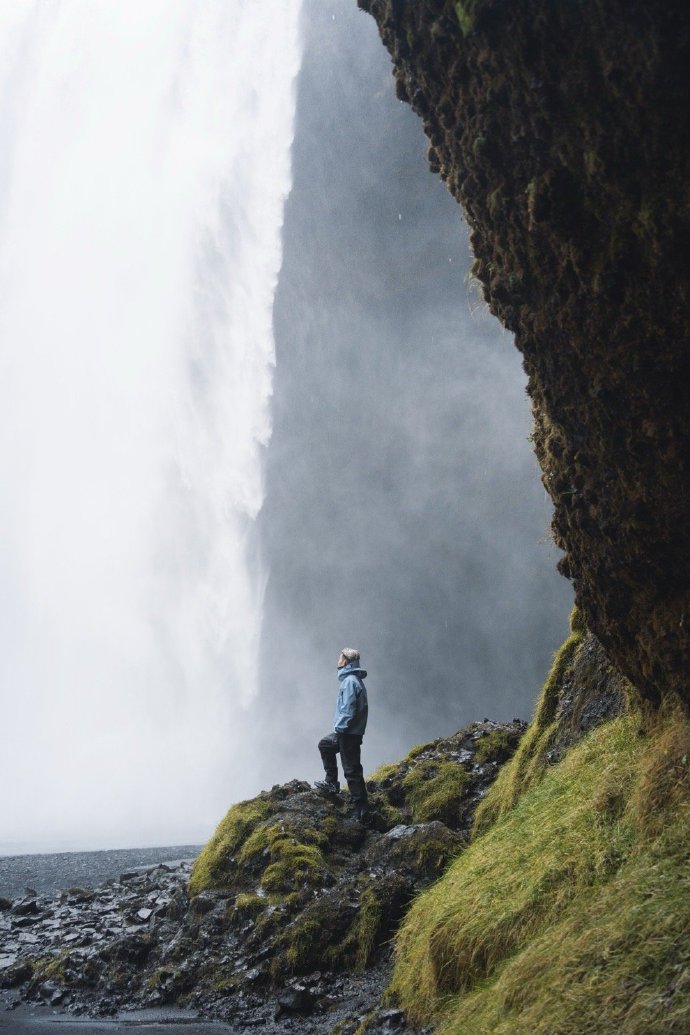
[562, 129]
[26, 907]
[590, 692]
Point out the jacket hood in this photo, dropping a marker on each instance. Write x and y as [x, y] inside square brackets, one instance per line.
[352, 669]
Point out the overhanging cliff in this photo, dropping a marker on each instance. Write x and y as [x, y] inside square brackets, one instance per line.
[562, 129]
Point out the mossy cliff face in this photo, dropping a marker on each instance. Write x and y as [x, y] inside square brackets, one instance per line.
[562, 129]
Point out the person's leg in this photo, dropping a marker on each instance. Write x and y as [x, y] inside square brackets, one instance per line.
[328, 748]
[350, 747]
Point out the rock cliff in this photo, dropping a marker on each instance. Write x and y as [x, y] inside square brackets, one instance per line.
[562, 130]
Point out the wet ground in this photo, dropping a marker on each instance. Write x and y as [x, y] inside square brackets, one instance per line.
[125, 924]
[41, 1021]
[49, 873]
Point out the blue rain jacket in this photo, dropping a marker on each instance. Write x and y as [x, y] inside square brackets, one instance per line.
[352, 707]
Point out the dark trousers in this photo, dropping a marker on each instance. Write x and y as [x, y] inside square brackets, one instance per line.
[349, 747]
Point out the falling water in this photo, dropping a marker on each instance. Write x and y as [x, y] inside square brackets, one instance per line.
[146, 161]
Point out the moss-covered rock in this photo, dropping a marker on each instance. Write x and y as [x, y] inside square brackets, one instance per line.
[302, 885]
[444, 779]
[420, 851]
[217, 865]
[292, 849]
[310, 887]
[69, 969]
[562, 130]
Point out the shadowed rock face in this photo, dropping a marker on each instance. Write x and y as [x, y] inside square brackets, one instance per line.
[562, 129]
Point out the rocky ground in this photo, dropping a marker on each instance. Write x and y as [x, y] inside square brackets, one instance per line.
[292, 907]
[50, 873]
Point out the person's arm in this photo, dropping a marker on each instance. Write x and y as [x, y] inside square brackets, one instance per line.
[347, 705]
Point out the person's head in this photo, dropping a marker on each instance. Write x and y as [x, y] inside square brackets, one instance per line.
[347, 656]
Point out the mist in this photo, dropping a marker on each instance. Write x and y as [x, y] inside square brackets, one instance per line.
[252, 412]
[147, 163]
[404, 514]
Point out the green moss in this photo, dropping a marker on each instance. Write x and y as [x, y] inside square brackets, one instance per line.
[294, 852]
[434, 790]
[367, 1023]
[216, 866]
[391, 814]
[367, 926]
[161, 975]
[466, 13]
[68, 968]
[253, 844]
[330, 827]
[53, 968]
[529, 761]
[269, 921]
[496, 746]
[278, 839]
[295, 864]
[382, 903]
[118, 977]
[577, 622]
[432, 854]
[334, 933]
[300, 946]
[249, 906]
[384, 772]
[572, 913]
[419, 749]
[226, 984]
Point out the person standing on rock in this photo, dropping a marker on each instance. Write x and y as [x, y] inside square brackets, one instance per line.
[349, 724]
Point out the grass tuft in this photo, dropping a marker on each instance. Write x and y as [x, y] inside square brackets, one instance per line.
[496, 746]
[434, 790]
[216, 865]
[571, 914]
[529, 761]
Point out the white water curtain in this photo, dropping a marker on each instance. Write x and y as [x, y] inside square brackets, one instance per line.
[145, 165]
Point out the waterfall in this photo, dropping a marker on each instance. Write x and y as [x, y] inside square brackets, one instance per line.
[146, 162]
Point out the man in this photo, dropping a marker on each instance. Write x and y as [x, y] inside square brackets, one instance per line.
[349, 724]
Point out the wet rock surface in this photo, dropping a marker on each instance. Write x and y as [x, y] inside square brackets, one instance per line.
[592, 692]
[294, 932]
[562, 130]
